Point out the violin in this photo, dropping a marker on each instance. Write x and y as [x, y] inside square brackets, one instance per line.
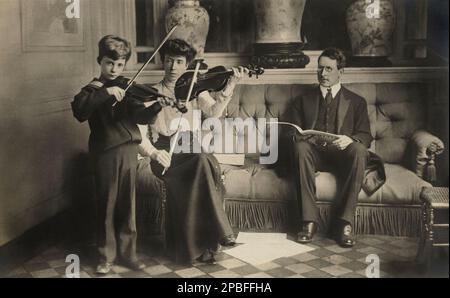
[143, 93]
[214, 79]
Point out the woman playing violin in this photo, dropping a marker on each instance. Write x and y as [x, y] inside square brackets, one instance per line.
[196, 221]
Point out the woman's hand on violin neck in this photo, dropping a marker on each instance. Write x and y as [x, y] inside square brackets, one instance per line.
[117, 92]
[238, 74]
[162, 156]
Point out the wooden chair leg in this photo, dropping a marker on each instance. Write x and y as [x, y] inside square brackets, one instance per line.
[423, 237]
[425, 252]
[429, 240]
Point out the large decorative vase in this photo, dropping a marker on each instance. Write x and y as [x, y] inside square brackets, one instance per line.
[370, 26]
[278, 43]
[192, 21]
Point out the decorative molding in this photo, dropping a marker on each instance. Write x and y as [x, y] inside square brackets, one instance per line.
[309, 76]
[14, 225]
[46, 113]
[61, 36]
[393, 74]
[279, 55]
[129, 24]
[38, 107]
[46, 100]
[227, 60]
[61, 198]
[60, 104]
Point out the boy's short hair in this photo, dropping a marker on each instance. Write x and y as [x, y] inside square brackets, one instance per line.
[335, 54]
[114, 47]
[178, 47]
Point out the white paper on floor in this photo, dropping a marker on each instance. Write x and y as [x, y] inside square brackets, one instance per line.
[244, 237]
[260, 248]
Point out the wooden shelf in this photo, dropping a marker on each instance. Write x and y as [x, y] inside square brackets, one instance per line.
[309, 75]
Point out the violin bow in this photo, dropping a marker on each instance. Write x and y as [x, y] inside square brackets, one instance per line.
[149, 59]
[191, 87]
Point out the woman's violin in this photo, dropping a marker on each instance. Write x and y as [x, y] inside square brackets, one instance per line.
[143, 93]
[214, 79]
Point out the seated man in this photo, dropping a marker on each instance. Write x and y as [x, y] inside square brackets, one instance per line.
[334, 109]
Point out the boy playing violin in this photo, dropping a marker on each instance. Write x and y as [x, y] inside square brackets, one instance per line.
[113, 145]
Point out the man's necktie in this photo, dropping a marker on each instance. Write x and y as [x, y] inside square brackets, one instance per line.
[329, 96]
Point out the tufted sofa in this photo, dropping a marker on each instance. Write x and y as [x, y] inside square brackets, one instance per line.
[263, 197]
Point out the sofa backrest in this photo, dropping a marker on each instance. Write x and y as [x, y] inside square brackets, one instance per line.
[396, 110]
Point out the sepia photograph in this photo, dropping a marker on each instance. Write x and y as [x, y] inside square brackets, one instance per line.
[247, 141]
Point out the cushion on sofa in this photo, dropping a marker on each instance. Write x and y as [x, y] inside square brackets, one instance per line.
[402, 187]
[259, 183]
[395, 111]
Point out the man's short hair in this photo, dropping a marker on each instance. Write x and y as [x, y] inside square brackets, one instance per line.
[113, 47]
[335, 54]
[178, 47]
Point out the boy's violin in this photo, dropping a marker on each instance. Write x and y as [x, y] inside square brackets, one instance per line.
[143, 93]
[214, 79]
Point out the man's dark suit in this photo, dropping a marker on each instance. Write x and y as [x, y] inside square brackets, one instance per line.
[349, 164]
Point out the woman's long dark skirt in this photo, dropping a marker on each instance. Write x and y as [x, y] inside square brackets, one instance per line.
[196, 219]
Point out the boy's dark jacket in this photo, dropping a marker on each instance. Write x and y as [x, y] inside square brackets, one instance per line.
[110, 125]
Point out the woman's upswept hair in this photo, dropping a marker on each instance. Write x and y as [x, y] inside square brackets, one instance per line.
[178, 47]
[114, 47]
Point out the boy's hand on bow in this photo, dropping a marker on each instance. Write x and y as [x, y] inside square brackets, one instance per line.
[166, 102]
[117, 92]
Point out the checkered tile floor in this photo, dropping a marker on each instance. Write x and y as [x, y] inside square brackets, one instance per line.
[397, 259]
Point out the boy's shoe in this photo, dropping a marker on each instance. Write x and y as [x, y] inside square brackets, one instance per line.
[133, 265]
[104, 268]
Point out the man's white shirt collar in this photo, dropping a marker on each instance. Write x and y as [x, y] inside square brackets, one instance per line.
[334, 90]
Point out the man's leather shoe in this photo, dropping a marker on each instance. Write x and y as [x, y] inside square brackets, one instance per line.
[307, 233]
[347, 238]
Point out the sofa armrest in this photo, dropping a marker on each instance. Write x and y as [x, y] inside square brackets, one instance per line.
[425, 148]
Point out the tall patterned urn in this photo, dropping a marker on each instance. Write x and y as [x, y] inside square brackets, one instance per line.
[370, 25]
[278, 43]
[192, 21]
